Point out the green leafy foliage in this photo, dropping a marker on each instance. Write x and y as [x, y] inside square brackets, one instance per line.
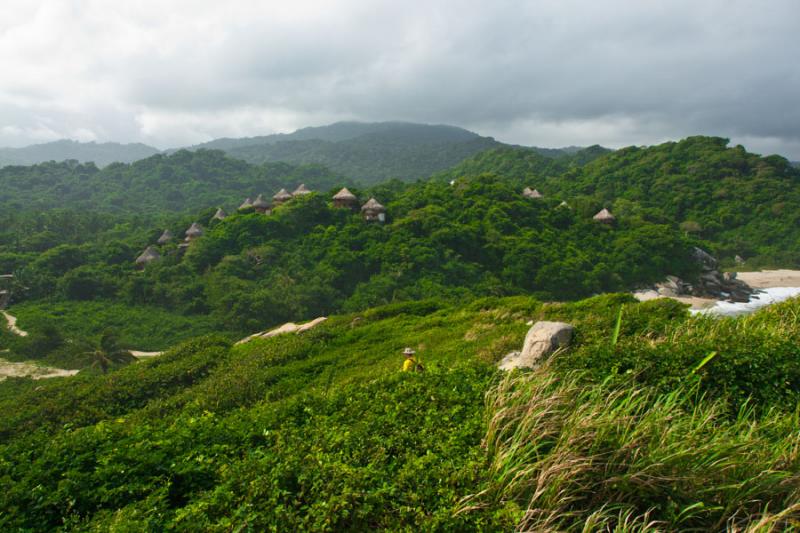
[737, 202]
[322, 430]
[162, 183]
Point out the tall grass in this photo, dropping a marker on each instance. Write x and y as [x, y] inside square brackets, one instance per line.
[580, 457]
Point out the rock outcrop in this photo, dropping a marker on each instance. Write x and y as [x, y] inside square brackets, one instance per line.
[289, 327]
[542, 339]
[709, 284]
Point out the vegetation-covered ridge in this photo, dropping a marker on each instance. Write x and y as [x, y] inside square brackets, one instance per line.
[180, 182]
[371, 152]
[322, 431]
[308, 258]
[738, 203]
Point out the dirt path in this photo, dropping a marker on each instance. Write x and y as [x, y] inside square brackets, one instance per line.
[12, 324]
[10, 369]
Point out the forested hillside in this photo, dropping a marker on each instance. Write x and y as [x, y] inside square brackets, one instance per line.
[345, 131]
[157, 185]
[366, 152]
[478, 237]
[737, 202]
[656, 417]
[101, 154]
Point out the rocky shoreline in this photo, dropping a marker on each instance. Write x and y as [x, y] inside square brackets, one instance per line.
[711, 284]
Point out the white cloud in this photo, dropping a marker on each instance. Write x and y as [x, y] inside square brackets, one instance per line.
[550, 72]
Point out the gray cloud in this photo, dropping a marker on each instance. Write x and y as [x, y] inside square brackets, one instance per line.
[548, 72]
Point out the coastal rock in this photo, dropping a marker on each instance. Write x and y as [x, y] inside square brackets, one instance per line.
[710, 282]
[542, 339]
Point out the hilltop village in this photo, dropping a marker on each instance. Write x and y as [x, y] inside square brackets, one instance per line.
[371, 211]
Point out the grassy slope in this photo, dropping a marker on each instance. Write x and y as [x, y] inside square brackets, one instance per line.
[320, 431]
[140, 327]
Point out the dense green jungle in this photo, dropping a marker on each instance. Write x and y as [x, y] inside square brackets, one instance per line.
[652, 420]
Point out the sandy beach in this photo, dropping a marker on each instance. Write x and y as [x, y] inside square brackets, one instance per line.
[694, 301]
[765, 279]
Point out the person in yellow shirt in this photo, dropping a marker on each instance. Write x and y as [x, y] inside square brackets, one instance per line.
[411, 363]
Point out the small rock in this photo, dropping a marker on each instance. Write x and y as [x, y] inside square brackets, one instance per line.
[542, 339]
[668, 292]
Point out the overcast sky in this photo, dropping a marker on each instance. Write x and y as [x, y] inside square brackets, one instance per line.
[544, 73]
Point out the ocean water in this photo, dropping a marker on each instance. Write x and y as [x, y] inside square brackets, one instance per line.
[759, 300]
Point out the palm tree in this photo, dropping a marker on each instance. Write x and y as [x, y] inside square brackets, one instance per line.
[109, 352]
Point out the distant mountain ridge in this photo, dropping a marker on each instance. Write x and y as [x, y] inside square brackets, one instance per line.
[101, 154]
[365, 152]
[343, 131]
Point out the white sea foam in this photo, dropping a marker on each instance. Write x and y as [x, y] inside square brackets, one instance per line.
[762, 299]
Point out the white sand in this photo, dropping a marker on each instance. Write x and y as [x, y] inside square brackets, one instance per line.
[20, 370]
[766, 279]
[695, 302]
[784, 284]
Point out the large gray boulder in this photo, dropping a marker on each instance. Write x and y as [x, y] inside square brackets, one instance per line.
[542, 339]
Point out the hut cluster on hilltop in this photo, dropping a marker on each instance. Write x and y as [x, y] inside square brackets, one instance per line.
[604, 215]
[372, 211]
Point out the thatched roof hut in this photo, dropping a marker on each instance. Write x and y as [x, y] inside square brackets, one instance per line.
[527, 192]
[247, 204]
[220, 214]
[148, 256]
[301, 190]
[261, 205]
[194, 231]
[166, 237]
[281, 196]
[604, 215]
[345, 199]
[564, 204]
[372, 211]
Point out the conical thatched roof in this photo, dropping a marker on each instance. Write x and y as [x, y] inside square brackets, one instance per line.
[344, 194]
[165, 237]
[564, 204]
[220, 214]
[604, 216]
[527, 192]
[260, 203]
[194, 231]
[248, 203]
[282, 195]
[301, 190]
[149, 255]
[373, 205]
